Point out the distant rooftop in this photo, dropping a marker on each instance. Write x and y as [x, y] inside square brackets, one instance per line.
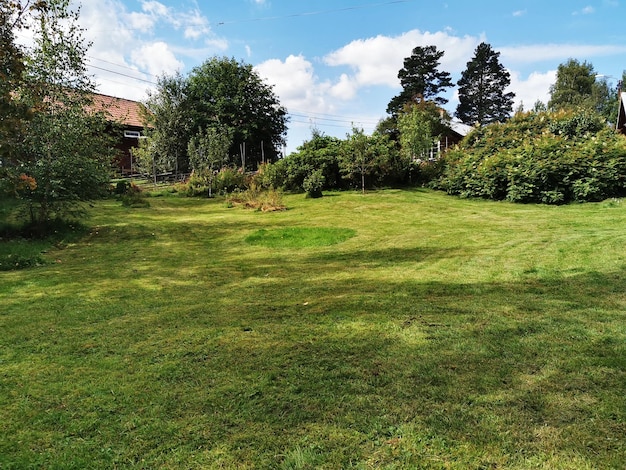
[120, 110]
[460, 128]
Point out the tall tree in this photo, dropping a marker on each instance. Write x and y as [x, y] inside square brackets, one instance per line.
[421, 79]
[227, 94]
[574, 86]
[482, 97]
[66, 154]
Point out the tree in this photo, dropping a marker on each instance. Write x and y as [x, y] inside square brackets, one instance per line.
[573, 87]
[66, 153]
[606, 97]
[482, 98]
[421, 79]
[168, 127]
[13, 113]
[416, 135]
[225, 93]
[361, 156]
[208, 151]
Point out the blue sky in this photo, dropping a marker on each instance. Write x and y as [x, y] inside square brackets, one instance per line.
[334, 63]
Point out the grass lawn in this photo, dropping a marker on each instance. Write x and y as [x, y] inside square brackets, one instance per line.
[397, 330]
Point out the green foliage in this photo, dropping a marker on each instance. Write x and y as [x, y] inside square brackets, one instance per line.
[551, 158]
[421, 79]
[321, 153]
[231, 95]
[416, 128]
[482, 99]
[167, 128]
[63, 155]
[574, 86]
[229, 179]
[271, 175]
[208, 151]
[133, 196]
[314, 183]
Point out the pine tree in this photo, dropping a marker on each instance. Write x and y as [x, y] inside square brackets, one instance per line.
[421, 79]
[482, 99]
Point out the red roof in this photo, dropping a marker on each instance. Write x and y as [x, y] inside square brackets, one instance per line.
[120, 110]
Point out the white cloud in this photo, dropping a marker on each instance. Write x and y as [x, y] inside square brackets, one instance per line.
[124, 44]
[157, 58]
[536, 87]
[376, 61]
[296, 85]
[534, 54]
[519, 13]
[155, 8]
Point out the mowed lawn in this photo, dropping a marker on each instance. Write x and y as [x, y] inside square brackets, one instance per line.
[398, 330]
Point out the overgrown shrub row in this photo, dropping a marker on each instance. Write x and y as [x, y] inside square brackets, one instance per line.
[551, 158]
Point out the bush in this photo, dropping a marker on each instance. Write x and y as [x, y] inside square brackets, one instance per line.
[539, 157]
[228, 180]
[314, 183]
[257, 198]
[134, 197]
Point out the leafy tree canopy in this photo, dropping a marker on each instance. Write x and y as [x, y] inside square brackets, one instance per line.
[63, 154]
[230, 95]
[574, 86]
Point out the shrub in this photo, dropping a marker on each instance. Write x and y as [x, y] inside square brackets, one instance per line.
[314, 183]
[257, 198]
[134, 197]
[228, 180]
[539, 157]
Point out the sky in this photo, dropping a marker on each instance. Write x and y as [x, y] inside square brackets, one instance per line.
[333, 64]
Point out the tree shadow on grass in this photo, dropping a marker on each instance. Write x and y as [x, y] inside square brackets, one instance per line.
[526, 369]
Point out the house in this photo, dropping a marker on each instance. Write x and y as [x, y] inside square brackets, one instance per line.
[456, 131]
[126, 115]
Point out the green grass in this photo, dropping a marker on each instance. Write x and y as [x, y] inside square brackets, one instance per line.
[433, 333]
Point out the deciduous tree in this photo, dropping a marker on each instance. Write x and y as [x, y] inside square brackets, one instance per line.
[224, 93]
[573, 87]
[208, 151]
[66, 152]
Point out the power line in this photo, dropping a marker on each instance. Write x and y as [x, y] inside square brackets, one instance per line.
[122, 74]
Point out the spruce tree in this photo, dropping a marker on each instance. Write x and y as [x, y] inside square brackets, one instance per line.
[482, 99]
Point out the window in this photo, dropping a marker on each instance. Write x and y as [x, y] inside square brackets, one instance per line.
[132, 134]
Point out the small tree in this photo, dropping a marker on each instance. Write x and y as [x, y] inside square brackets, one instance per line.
[208, 151]
[420, 127]
[482, 99]
[67, 152]
[356, 158]
[13, 113]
